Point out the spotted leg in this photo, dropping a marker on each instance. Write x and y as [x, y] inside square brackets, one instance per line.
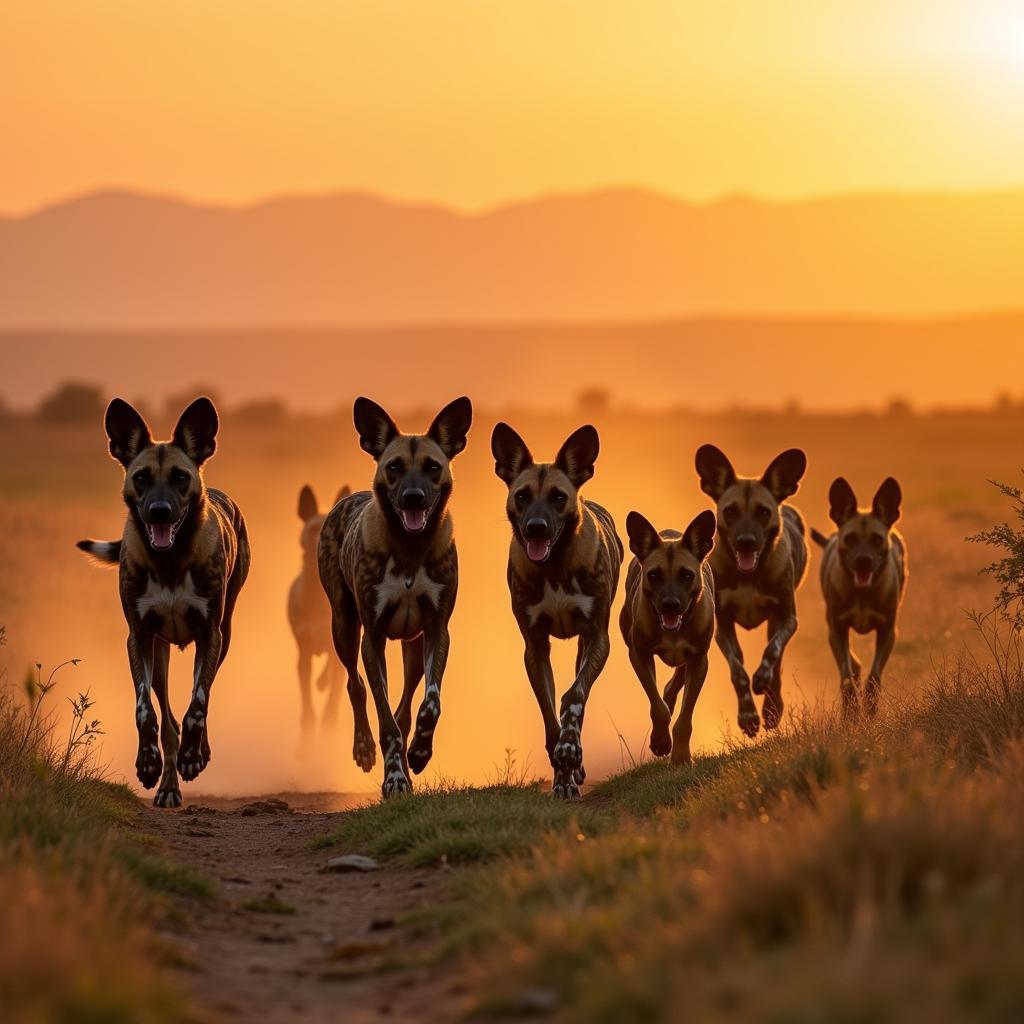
[435, 659]
[412, 670]
[148, 763]
[396, 774]
[537, 657]
[767, 678]
[725, 636]
[194, 752]
[169, 793]
[345, 632]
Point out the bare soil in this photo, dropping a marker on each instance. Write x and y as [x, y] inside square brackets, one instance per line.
[286, 940]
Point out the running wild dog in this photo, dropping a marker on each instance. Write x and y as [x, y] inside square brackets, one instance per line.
[563, 569]
[863, 576]
[669, 613]
[388, 564]
[309, 616]
[182, 559]
[759, 562]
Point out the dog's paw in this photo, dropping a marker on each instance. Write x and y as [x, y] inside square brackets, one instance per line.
[168, 795]
[149, 765]
[681, 754]
[762, 681]
[568, 752]
[850, 699]
[191, 761]
[420, 752]
[748, 719]
[580, 775]
[396, 783]
[364, 751]
[771, 709]
[565, 786]
[661, 741]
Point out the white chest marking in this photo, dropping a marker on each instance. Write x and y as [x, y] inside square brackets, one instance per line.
[559, 604]
[397, 588]
[172, 604]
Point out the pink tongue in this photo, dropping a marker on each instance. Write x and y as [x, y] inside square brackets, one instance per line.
[537, 549]
[863, 577]
[414, 519]
[161, 535]
[670, 621]
[746, 560]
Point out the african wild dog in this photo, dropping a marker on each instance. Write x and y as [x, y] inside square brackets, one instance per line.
[183, 558]
[669, 612]
[863, 576]
[759, 562]
[388, 564]
[309, 616]
[563, 569]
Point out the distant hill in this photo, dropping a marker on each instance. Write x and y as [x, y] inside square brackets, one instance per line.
[116, 259]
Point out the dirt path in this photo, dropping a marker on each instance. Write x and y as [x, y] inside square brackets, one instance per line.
[327, 960]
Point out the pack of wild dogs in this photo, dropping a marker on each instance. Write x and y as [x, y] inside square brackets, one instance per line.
[381, 565]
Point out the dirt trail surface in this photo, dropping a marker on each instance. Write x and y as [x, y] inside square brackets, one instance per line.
[287, 940]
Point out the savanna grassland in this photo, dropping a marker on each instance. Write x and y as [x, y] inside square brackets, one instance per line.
[830, 871]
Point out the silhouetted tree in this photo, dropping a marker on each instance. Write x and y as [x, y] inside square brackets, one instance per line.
[179, 400]
[261, 412]
[593, 401]
[73, 402]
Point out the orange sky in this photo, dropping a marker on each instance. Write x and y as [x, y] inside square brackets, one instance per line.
[471, 102]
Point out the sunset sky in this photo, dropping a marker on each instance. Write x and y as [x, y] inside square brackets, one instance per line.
[472, 102]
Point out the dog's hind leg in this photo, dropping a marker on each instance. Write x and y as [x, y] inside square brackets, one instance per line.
[148, 763]
[305, 671]
[696, 672]
[169, 793]
[345, 631]
[725, 636]
[885, 640]
[412, 671]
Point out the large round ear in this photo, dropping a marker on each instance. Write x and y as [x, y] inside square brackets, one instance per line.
[699, 537]
[643, 537]
[307, 503]
[126, 430]
[511, 456]
[842, 502]
[887, 501]
[196, 431]
[577, 456]
[782, 477]
[343, 493]
[375, 427]
[451, 425]
[715, 471]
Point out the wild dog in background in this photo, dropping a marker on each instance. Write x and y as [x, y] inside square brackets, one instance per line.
[388, 564]
[309, 616]
[182, 558]
[759, 561]
[563, 569]
[863, 576]
[669, 613]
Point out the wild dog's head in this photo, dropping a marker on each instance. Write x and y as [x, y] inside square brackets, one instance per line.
[414, 478]
[865, 538]
[313, 520]
[670, 568]
[163, 480]
[543, 497]
[749, 520]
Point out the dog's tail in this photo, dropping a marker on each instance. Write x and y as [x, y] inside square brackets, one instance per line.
[102, 552]
[819, 538]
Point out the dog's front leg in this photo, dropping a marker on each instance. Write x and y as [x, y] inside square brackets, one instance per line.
[696, 673]
[194, 752]
[435, 658]
[849, 669]
[781, 629]
[725, 636]
[148, 763]
[643, 665]
[568, 753]
[537, 657]
[885, 640]
[396, 777]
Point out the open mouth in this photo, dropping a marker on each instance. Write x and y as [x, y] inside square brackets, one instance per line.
[672, 621]
[414, 519]
[746, 561]
[538, 549]
[162, 535]
[863, 577]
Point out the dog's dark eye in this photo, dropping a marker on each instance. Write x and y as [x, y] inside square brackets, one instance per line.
[730, 513]
[433, 468]
[141, 478]
[686, 577]
[654, 575]
[394, 467]
[763, 513]
[850, 539]
[876, 540]
[558, 499]
[522, 497]
[180, 479]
